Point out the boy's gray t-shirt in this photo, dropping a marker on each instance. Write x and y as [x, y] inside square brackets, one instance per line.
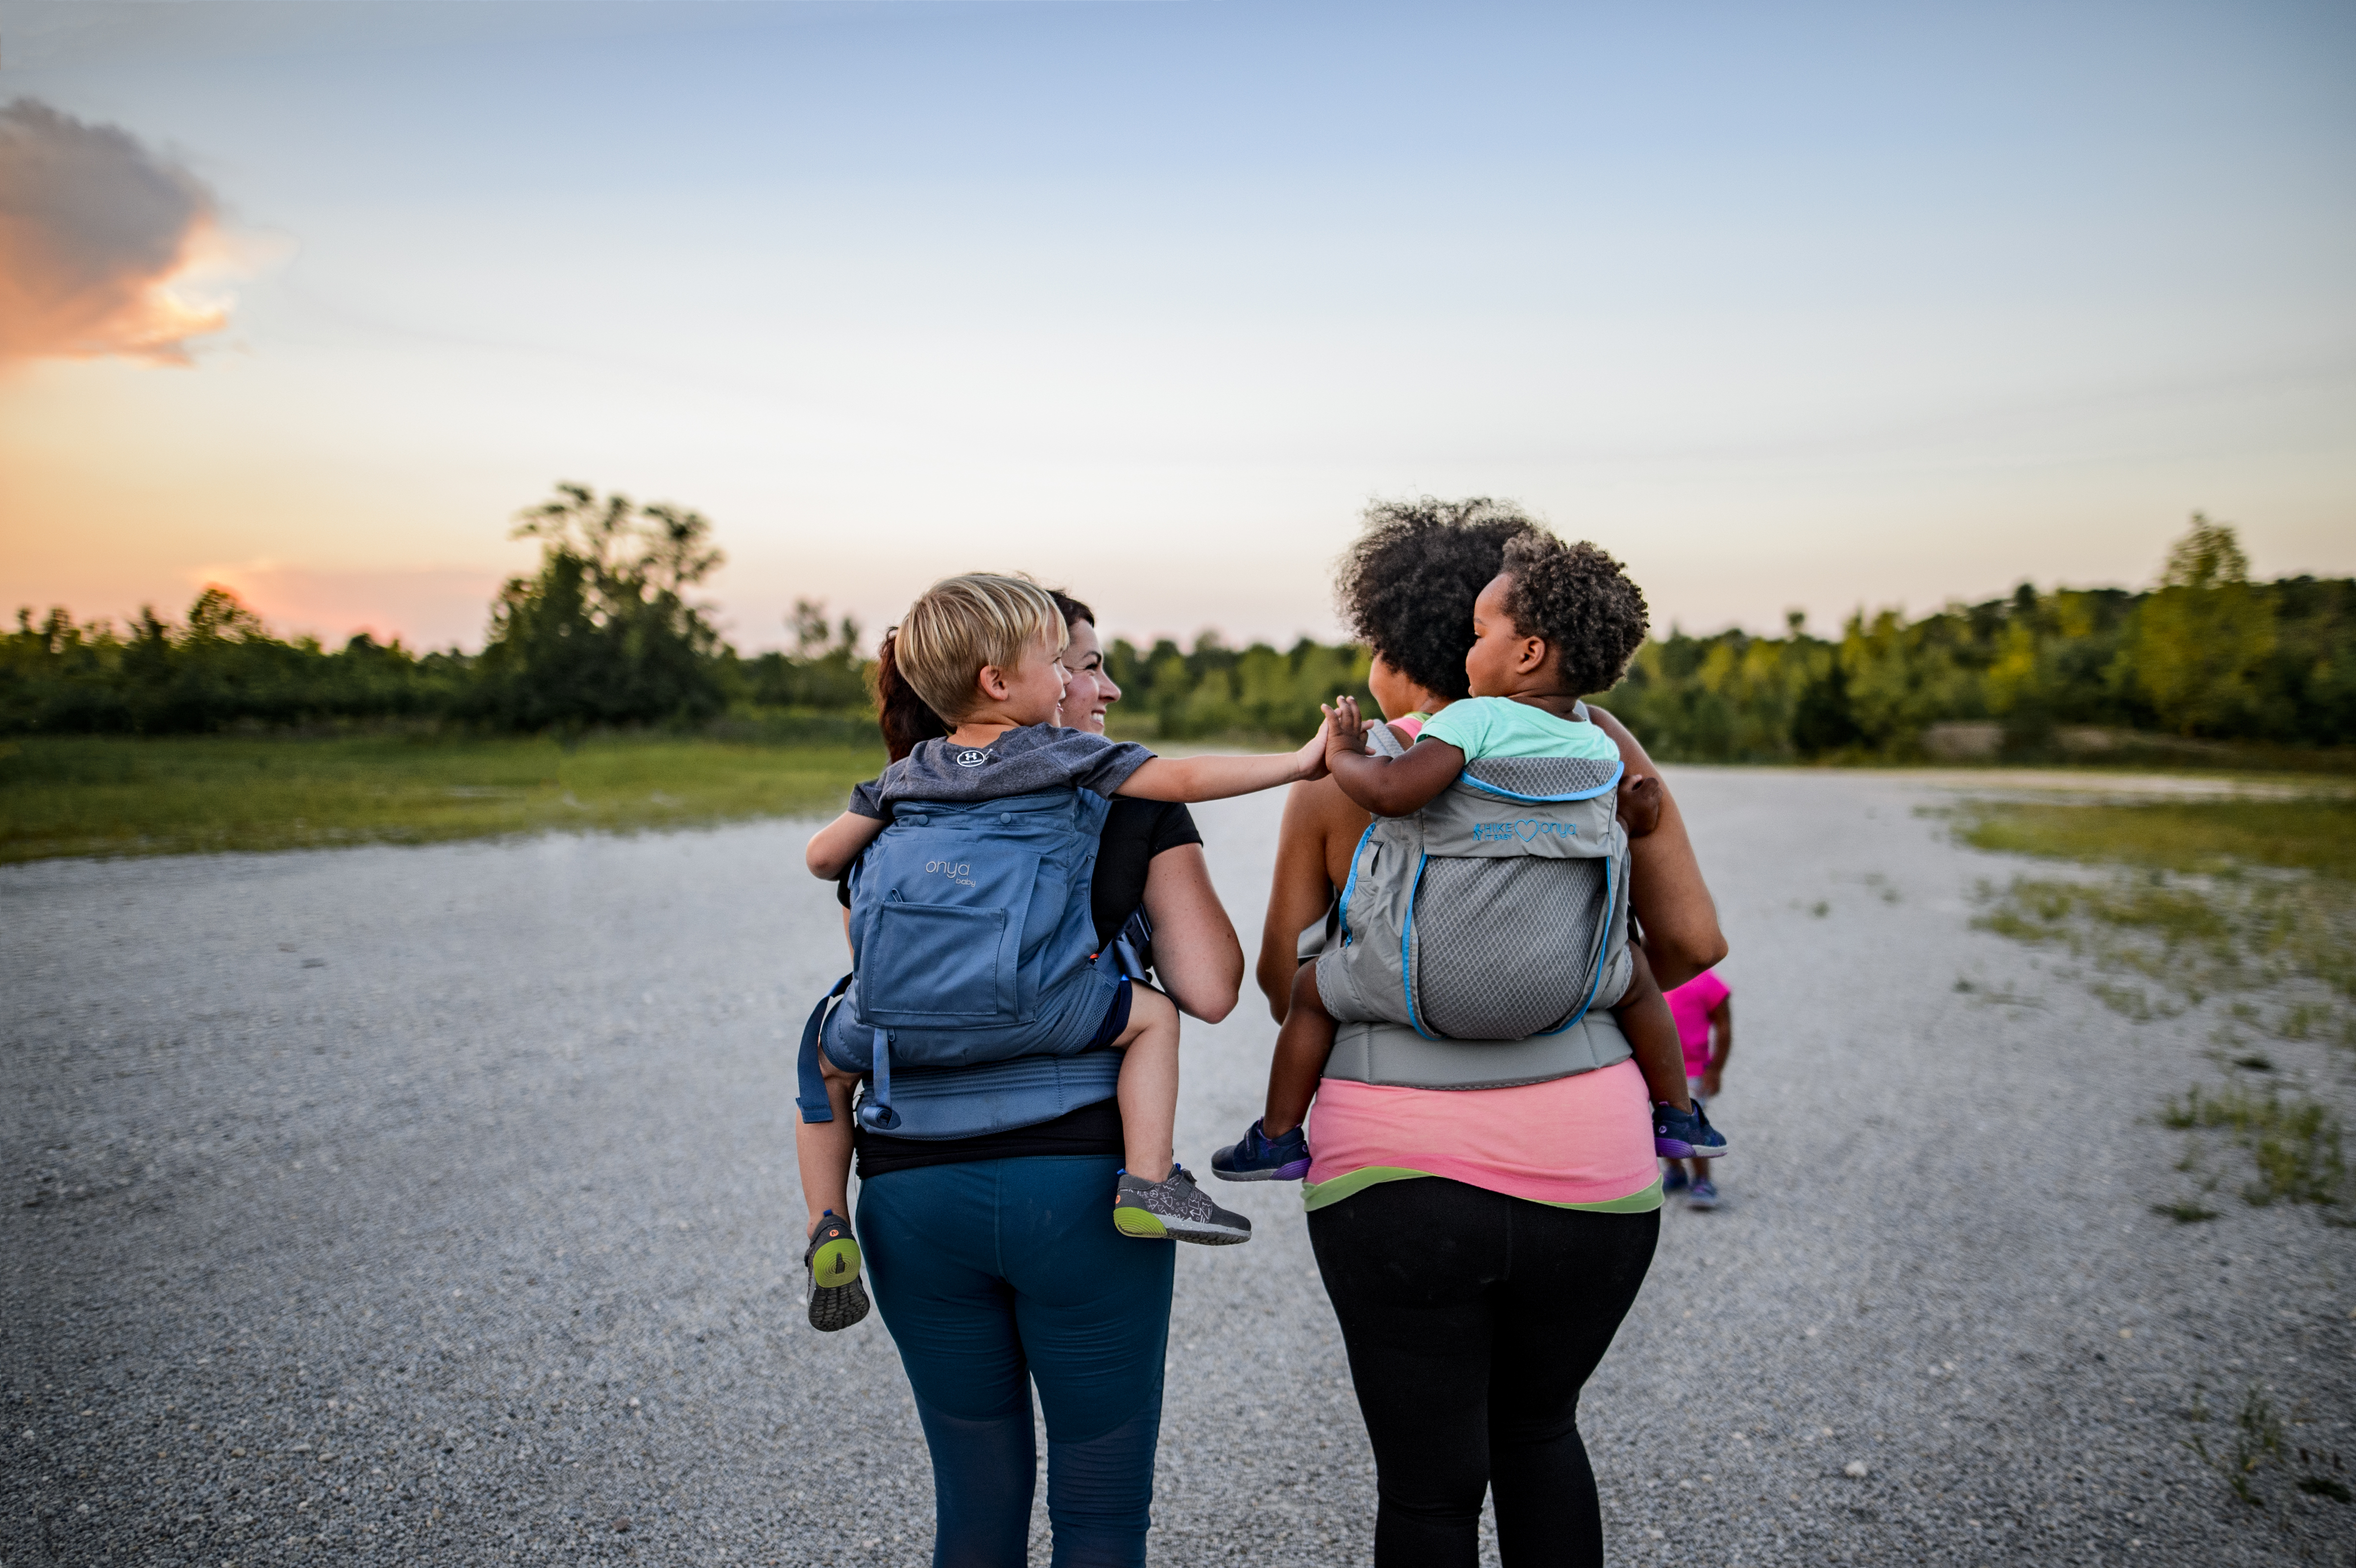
[1034, 756]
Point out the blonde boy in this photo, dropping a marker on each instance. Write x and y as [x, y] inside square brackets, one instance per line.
[982, 650]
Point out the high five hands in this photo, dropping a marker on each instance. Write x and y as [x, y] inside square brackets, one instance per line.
[1344, 731]
[1309, 760]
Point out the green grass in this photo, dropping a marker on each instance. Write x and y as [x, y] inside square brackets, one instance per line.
[2316, 834]
[2230, 894]
[108, 795]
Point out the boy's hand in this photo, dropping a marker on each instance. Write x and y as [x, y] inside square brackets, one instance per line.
[1709, 1082]
[1343, 731]
[1311, 758]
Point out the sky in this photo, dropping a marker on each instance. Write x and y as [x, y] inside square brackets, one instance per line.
[1806, 307]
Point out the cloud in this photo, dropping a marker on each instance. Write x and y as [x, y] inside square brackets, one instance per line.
[93, 228]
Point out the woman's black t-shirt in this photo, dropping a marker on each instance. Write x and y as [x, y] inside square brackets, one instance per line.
[1134, 832]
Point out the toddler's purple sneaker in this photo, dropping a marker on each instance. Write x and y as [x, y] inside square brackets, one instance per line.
[1685, 1134]
[1259, 1157]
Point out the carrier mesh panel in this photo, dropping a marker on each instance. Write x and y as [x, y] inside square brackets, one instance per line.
[1542, 776]
[1481, 977]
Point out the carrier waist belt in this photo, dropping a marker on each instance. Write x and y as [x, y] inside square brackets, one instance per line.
[1394, 1054]
[997, 1097]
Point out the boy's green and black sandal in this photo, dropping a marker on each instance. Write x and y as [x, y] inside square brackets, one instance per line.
[837, 1297]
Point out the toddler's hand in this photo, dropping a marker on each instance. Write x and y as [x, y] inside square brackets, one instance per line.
[1640, 804]
[1344, 731]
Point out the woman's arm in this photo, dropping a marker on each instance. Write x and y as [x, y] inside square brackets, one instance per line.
[834, 846]
[1195, 953]
[1664, 885]
[1302, 887]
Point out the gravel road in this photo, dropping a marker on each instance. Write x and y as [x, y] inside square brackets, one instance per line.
[437, 1205]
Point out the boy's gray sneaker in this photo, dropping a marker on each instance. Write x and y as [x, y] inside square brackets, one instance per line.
[1175, 1210]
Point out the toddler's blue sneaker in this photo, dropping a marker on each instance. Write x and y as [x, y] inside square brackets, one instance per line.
[1675, 1182]
[1705, 1195]
[1259, 1157]
[1685, 1134]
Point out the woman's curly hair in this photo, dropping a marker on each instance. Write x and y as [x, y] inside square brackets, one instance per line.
[1407, 586]
[1582, 602]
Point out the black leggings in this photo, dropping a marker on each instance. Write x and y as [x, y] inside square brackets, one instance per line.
[1471, 1320]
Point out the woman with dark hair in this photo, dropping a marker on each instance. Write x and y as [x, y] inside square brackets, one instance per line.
[1480, 1241]
[990, 1256]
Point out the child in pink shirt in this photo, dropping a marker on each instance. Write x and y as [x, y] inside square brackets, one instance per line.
[1703, 1010]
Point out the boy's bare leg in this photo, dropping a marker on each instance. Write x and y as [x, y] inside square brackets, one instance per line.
[822, 1149]
[1652, 1031]
[1148, 1084]
[1301, 1046]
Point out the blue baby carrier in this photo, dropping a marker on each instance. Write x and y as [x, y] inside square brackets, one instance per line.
[976, 986]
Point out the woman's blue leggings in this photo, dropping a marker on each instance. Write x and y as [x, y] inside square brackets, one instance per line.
[997, 1274]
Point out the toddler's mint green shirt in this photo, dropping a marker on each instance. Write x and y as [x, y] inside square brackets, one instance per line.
[1500, 727]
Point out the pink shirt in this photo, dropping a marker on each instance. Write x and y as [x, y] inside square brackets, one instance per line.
[1585, 1139]
[1691, 1004]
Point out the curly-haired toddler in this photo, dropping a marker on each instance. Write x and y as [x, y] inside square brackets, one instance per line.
[1559, 620]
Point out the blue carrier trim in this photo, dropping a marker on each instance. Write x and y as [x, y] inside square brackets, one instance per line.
[1406, 931]
[1618, 771]
[1351, 886]
[1603, 935]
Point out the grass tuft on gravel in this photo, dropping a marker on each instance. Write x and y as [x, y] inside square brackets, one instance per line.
[2256, 1441]
[2295, 1142]
[118, 796]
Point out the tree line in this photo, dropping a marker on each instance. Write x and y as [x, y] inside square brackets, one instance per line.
[605, 633]
[2207, 656]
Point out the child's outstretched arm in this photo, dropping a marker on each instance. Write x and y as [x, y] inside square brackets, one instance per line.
[1217, 777]
[1386, 785]
[834, 846]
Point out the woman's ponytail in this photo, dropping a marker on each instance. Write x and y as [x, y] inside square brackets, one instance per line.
[903, 716]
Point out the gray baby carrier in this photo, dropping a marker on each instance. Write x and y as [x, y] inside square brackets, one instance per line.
[1497, 913]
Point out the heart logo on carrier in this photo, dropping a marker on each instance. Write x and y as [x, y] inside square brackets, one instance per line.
[1526, 829]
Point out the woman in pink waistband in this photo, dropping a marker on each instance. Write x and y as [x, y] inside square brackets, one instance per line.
[1481, 1247]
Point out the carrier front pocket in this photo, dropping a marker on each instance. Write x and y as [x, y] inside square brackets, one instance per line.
[941, 964]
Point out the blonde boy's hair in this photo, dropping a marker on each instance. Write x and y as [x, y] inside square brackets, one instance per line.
[965, 622]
